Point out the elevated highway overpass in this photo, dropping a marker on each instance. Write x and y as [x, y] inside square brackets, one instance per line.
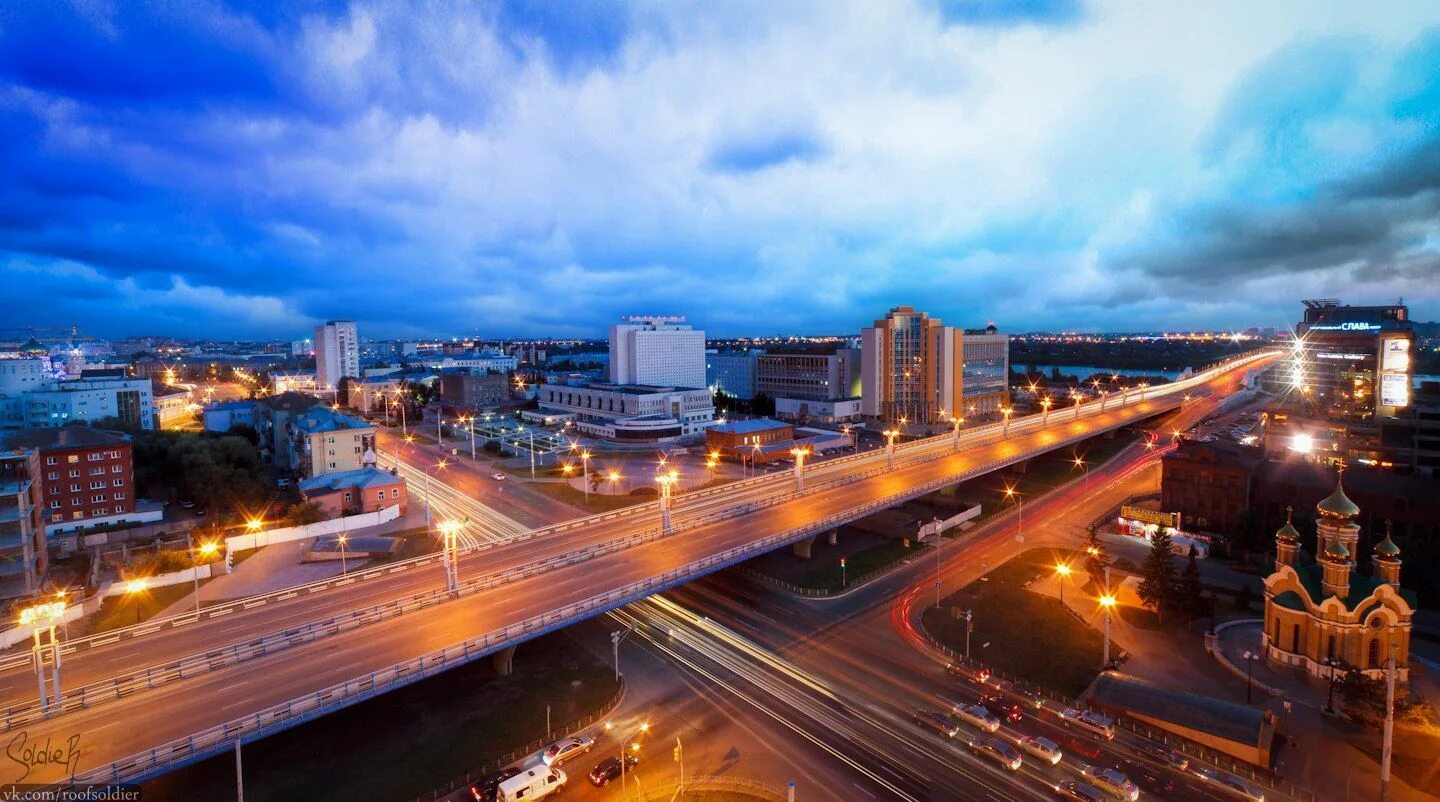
[171, 692]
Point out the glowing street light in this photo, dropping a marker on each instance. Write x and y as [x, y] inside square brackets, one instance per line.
[133, 589]
[439, 466]
[42, 618]
[450, 538]
[890, 435]
[667, 485]
[955, 424]
[800, 454]
[342, 540]
[1019, 499]
[1045, 405]
[1063, 571]
[585, 466]
[1084, 470]
[1107, 603]
[1007, 412]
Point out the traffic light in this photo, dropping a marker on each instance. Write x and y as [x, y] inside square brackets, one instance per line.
[842, 562]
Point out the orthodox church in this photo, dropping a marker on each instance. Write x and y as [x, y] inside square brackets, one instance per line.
[1321, 615]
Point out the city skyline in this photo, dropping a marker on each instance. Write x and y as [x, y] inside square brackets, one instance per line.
[512, 172]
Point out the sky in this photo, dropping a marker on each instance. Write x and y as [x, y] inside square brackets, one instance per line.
[536, 168]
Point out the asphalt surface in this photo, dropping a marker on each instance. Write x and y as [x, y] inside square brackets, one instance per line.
[112, 730]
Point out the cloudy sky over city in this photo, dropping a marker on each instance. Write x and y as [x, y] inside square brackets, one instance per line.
[540, 168]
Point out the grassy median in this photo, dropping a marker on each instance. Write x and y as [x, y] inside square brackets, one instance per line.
[1021, 633]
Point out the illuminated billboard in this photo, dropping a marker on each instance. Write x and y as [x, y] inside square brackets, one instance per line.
[1395, 389]
[1395, 355]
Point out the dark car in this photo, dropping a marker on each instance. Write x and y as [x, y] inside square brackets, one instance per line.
[1149, 779]
[488, 787]
[1165, 755]
[1080, 792]
[609, 769]
[1002, 708]
[1080, 746]
[975, 674]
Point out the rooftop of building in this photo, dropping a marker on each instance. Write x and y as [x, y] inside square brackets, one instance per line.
[290, 401]
[1228, 720]
[324, 419]
[362, 478]
[74, 436]
[1221, 451]
[1362, 587]
[626, 389]
[242, 403]
[748, 426]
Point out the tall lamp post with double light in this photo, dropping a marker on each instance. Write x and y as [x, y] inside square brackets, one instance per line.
[42, 619]
[1250, 658]
[450, 539]
[208, 549]
[1107, 603]
[1045, 404]
[1063, 571]
[890, 435]
[1006, 412]
[955, 423]
[628, 745]
[1019, 498]
[667, 485]
[800, 454]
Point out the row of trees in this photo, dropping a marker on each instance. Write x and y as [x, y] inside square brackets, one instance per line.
[214, 471]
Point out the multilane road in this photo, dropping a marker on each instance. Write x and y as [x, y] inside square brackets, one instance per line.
[710, 523]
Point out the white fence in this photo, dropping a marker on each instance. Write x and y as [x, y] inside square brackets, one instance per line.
[161, 580]
[953, 521]
[348, 523]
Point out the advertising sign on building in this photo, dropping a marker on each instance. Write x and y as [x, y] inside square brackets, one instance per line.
[1395, 389]
[1168, 519]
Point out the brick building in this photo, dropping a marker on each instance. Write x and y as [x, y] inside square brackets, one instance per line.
[474, 390]
[87, 475]
[1208, 484]
[355, 492]
[759, 440]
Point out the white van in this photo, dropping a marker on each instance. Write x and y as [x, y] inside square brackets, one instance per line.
[537, 782]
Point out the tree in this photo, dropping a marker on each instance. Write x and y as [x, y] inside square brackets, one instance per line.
[1190, 593]
[304, 512]
[1157, 576]
[1097, 559]
[246, 431]
[1362, 699]
[762, 404]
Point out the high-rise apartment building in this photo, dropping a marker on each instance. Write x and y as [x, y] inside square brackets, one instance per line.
[915, 368]
[337, 353]
[657, 352]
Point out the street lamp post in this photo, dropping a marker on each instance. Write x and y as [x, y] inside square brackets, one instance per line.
[134, 588]
[1084, 471]
[1007, 412]
[800, 454]
[1078, 398]
[890, 435]
[1107, 602]
[439, 421]
[854, 440]
[437, 466]
[667, 484]
[342, 540]
[206, 549]
[42, 618]
[1063, 571]
[1250, 658]
[450, 534]
[1010, 492]
[1045, 405]
[585, 465]
[471, 421]
[634, 746]
[969, 614]
[1388, 740]
[955, 423]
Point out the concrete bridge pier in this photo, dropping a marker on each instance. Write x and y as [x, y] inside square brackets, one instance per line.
[832, 537]
[1021, 466]
[504, 661]
[802, 547]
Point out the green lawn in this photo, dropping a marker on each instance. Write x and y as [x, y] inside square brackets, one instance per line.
[828, 575]
[403, 744]
[1030, 636]
[132, 608]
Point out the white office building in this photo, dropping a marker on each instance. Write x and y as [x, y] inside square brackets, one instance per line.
[337, 352]
[657, 352]
[88, 400]
[629, 412]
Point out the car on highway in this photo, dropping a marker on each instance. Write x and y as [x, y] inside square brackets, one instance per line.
[937, 722]
[1231, 785]
[609, 769]
[536, 782]
[1002, 708]
[489, 785]
[977, 716]
[1151, 780]
[566, 748]
[998, 751]
[975, 674]
[1089, 720]
[1079, 792]
[1043, 748]
[1166, 755]
[1112, 782]
[497, 476]
[1081, 747]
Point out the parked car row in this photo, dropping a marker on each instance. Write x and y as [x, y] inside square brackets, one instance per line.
[522, 784]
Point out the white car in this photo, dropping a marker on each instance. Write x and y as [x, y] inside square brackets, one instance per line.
[1112, 782]
[1043, 748]
[1089, 720]
[497, 476]
[978, 716]
[566, 748]
[1231, 785]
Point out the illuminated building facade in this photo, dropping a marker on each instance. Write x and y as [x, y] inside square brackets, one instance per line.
[916, 369]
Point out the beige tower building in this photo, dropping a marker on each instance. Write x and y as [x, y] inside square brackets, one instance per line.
[915, 368]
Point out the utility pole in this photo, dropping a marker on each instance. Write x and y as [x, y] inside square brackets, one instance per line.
[239, 775]
[968, 614]
[1389, 724]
